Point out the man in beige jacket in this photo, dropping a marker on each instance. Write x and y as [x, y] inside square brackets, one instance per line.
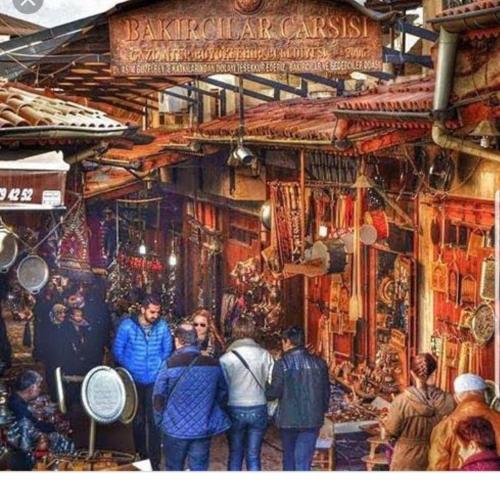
[469, 393]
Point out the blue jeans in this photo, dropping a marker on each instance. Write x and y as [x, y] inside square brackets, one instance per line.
[196, 451]
[298, 448]
[245, 436]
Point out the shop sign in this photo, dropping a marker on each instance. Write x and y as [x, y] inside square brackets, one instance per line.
[189, 37]
[33, 182]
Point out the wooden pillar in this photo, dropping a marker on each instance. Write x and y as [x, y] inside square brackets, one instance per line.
[303, 199]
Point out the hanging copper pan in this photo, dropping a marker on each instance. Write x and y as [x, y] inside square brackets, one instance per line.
[8, 250]
[33, 273]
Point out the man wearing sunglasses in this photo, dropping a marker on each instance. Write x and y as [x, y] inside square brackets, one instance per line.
[142, 345]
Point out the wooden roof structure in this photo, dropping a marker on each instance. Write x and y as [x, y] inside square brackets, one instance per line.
[16, 27]
[75, 58]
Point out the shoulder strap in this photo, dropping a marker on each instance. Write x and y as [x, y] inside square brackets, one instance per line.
[245, 364]
[182, 375]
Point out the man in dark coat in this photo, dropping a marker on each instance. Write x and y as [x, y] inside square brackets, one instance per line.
[187, 401]
[301, 384]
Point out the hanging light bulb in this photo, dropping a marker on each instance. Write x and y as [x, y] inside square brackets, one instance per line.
[142, 249]
[172, 260]
[323, 231]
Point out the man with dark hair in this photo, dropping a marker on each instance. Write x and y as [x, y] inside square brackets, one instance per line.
[27, 388]
[301, 384]
[24, 433]
[187, 401]
[142, 345]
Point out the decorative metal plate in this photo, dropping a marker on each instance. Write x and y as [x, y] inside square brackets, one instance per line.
[104, 394]
[483, 323]
[131, 401]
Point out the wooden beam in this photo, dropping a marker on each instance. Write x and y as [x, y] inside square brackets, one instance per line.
[395, 57]
[274, 84]
[380, 75]
[420, 32]
[51, 33]
[233, 88]
[319, 80]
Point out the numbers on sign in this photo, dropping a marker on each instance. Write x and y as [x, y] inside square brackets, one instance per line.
[26, 195]
[14, 194]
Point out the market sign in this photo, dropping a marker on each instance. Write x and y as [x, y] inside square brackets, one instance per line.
[193, 37]
[32, 180]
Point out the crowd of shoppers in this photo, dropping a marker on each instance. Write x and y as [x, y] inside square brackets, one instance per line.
[192, 387]
[190, 391]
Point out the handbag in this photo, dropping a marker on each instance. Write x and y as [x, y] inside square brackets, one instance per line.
[272, 406]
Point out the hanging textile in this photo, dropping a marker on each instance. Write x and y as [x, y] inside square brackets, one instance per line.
[74, 255]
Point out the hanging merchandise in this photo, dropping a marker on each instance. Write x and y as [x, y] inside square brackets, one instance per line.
[332, 254]
[378, 219]
[442, 172]
[257, 294]
[476, 243]
[8, 248]
[468, 289]
[368, 234]
[33, 273]
[465, 320]
[74, 257]
[483, 323]
[287, 215]
[454, 284]
[439, 268]
[487, 284]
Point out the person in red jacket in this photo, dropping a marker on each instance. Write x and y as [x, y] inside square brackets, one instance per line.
[478, 448]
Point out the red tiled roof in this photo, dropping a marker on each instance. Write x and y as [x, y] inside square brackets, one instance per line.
[321, 119]
[483, 34]
[470, 7]
[23, 108]
[413, 96]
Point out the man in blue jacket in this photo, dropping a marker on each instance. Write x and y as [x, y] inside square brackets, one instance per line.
[187, 402]
[142, 345]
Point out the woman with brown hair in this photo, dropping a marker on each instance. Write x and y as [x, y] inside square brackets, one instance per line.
[209, 340]
[478, 447]
[414, 413]
[246, 367]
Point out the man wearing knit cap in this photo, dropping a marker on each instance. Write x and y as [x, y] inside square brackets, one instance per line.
[469, 393]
